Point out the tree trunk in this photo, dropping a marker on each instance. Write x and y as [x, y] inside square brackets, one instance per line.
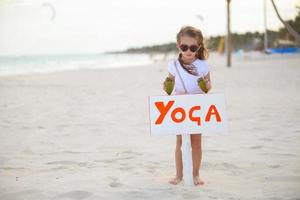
[228, 38]
[287, 26]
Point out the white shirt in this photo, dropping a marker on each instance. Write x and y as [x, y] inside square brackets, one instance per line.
[190, 81]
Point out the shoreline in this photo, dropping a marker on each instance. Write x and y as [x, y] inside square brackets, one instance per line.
[214, 58]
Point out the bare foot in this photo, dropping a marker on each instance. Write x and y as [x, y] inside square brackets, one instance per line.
[175, 181]
[198, 181]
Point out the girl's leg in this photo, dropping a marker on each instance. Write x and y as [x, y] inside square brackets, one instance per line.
[178, 161]
[196, 142]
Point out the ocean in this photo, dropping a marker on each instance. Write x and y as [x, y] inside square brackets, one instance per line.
[27, 64]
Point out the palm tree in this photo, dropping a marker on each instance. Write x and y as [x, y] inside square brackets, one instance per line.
[287, 25]
[228, 38]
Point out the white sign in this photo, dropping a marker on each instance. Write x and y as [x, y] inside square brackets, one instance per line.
[187, 114]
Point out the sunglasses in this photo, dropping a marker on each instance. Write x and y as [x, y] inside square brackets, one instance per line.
[193, 48]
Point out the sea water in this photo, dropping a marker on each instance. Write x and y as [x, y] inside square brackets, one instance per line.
[27, 64]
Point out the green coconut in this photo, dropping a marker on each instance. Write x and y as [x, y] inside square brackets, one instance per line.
[202, 85]
[169, 84]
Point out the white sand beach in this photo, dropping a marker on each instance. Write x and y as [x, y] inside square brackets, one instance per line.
[84, 134]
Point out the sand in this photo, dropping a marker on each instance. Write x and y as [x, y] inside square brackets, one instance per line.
[84, 134]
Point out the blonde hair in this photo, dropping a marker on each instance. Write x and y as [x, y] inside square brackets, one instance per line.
[193, 32]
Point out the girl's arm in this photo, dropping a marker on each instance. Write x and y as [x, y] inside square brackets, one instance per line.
[207, 81]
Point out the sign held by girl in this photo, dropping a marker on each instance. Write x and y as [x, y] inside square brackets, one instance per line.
[192, 114]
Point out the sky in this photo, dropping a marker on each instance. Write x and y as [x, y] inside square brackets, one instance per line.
[95, 26]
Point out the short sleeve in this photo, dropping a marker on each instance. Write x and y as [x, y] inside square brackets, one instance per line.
[171, 68]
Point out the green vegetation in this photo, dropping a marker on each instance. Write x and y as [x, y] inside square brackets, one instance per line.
[246, 41]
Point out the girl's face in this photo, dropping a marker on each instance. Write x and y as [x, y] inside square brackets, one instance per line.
[191, 43]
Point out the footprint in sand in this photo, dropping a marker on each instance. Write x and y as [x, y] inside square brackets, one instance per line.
[216, 151]
[76, 195]
[25, 194]
[67, 162]
[219, 166]
[151, 167]
[256, 147]
[126, 168]
[106, 161]
[151, 170]
[283, 179]
[115, 182]
[266, 139]
[129, 152]
[280, 154]
[274, 166]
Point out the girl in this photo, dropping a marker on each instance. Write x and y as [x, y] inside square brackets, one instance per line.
[185, 72]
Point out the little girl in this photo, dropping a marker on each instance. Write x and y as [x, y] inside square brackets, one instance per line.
[185, 71]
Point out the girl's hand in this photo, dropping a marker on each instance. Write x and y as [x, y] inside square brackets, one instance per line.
[164, 86]
[207, 83]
